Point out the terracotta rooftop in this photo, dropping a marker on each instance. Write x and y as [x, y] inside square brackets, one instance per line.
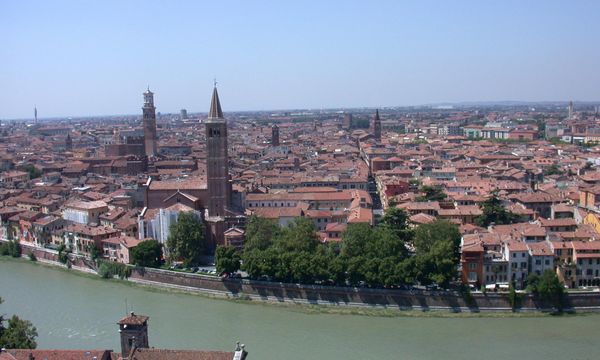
[86, 205]
[164, 354]
[133, 319]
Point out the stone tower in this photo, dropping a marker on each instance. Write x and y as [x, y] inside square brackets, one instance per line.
[275, 135]
[347, 123]
[377, 126]
[149, 119]
[134, 333]
[217, 159]
[69, 143]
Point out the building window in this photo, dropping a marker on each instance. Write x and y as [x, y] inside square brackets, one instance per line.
[472, 276]
[472, 266]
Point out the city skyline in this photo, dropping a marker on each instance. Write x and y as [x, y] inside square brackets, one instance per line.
[90, 59]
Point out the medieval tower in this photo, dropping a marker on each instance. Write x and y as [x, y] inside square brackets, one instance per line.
[377, 126]
[217, 159]
[275, 135]
[149, 120]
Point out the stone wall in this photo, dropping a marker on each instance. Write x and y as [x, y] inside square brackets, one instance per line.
[327, 295]
[347, 296]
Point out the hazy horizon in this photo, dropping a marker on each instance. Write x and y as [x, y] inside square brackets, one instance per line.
[78, 59]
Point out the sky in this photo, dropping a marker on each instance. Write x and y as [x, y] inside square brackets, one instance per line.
[87, 58]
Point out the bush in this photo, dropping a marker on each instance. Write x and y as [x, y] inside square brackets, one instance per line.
[63, 255]
[11, 248]
[32, 256]
[4, 249]
[110, 269]
[468, 297]
[547, 287]
[514, 298]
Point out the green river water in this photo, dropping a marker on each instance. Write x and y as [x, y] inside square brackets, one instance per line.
[73, 311]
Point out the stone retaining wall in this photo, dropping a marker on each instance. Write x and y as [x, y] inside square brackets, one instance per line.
[328, 295]
[346, 296]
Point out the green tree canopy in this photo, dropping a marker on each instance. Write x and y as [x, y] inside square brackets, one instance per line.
[437, 248]
[432, 193]
[553, 169]
[19, 334]
[548, 287]
[147, 253]
[260, 233]
[186, 239]
[227, 259]
[300, 235]
[33, 171]
[494, 212]
[397, 220]
[372, 255]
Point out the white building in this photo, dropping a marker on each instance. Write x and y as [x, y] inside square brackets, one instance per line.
[517, 254]
[84, 212]
[156, 223]
[542, 257]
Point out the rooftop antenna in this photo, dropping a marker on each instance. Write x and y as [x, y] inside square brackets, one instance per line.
[215, 81]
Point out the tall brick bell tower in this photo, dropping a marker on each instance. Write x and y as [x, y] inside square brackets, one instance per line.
[149, 120]
[217, 168]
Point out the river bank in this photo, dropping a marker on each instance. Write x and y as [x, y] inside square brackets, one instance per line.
[78, 311]
[300, 304]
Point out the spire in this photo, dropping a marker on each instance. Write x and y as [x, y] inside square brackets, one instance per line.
[215, 111]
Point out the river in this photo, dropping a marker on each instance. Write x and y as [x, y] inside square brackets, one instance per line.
[73, 311]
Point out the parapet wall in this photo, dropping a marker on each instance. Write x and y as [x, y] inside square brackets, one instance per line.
[329, 295]
[356, 297]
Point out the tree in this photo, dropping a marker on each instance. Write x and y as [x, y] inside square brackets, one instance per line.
[95, 252]
[34, 172]
[547, 287]
[19, 334]
[396, 220]
[372, 255]
[494, 212]
[553, 169]
[355, 239]
[227, 259]
[186, 239]
[437, 252]
[260, 233]
[147, 253]
[11, 248]
[300, 235]
[432, 193]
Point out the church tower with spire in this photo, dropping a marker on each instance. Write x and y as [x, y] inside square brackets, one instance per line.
[217, 159]
[149, 120]
[377, 126]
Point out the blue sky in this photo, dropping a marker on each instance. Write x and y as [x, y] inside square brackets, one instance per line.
[97, 57]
